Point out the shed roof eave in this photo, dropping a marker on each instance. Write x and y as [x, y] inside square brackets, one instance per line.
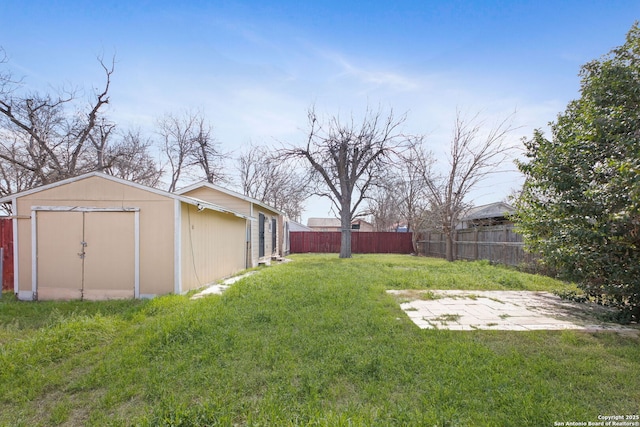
[207, 205]
[228, 192]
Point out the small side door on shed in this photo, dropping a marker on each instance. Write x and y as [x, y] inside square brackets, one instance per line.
[261, 235]
[85, 255]
[274, 236]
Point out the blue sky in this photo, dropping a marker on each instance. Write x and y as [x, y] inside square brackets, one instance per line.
[255, 68]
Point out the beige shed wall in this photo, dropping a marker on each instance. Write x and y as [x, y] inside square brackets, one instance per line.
[213, 246]
[250, 209]
[157, 215]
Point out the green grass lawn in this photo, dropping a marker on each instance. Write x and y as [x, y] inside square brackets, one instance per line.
[313, 342]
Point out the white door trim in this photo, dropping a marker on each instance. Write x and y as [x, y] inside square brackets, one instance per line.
[177, 247]
[83, 209]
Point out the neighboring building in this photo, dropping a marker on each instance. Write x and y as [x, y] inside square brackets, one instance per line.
[97, 237]
[492, 214]
[323, 224]
[296, 226]
[333, 224]
[398, 227]
[267, 234]
[361, 225]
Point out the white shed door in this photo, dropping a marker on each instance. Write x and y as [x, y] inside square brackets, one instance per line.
[85, 255]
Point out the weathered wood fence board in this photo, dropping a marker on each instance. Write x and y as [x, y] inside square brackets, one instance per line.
[6, 243]
[361, 242]
[499, 244]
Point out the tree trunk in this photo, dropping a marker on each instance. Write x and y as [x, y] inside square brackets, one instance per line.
[449, 246]
[345, 233]
[414, 241]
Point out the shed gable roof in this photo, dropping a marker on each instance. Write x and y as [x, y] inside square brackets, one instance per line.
[184, 199]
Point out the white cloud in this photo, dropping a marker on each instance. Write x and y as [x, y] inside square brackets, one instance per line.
[372, 75]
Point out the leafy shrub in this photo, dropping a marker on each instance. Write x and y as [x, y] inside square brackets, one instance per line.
[580, 206]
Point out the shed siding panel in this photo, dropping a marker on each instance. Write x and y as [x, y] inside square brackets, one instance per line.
[157, 232]
[213, 246]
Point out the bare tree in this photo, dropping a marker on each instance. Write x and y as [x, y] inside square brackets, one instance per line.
[411, 187]
[207, 155]
[190, 149]
[473, 154]
[382, 205]
[400, 197]
[14, 178]
[273, 180]
[129, 158]
[176, 134]
[48, 137]
[346, 158]
[6, 79]
[45, 137]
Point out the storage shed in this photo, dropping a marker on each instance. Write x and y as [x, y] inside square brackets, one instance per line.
[99, 237]
[267, 233]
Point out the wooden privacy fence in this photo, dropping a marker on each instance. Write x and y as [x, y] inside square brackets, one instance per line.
[498, 244]
[6, 243]
[361, 242]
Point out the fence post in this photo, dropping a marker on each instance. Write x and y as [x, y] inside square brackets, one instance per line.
[455, 245]
[475, 243]
[427, 245]
[504, 244]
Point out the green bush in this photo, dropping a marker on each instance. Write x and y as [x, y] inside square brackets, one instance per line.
[580, 206]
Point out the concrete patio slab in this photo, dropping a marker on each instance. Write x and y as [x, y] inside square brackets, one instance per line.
[501, 310]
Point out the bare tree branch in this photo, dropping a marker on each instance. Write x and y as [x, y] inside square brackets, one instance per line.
[129, 158]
